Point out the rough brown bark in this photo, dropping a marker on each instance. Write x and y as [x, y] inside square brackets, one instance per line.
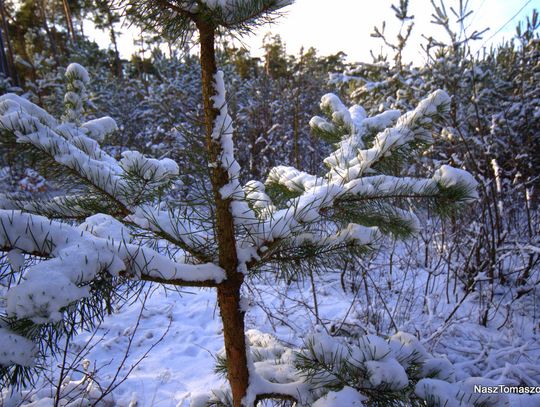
[234, 339]
[228, 293]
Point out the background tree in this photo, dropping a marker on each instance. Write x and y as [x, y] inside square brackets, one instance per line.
[104, 17]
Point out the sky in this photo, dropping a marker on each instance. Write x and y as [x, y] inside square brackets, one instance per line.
[331, 26]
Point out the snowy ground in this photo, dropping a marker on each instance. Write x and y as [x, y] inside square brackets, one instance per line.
[169, 339]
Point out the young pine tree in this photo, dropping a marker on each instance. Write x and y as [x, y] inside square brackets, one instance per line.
[236, 230]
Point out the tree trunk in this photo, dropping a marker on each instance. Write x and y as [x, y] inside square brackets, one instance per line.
[4, 65]
[54, 48]
[296, 129]
[69, 22]
[7, 40]
[228, 292]
[117, 61]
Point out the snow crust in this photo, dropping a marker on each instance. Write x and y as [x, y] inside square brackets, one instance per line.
[98, 129]
[16, 349]
[173, 222]
[223, 134]
[293, 179]
[450, 177]
[11, 102]
[16, 259]
[243, 214]
[196, 335]
[344, 397]
[149, 169]
[267, 376]
[388, 372]
[77, 71]
[340, 113]
[106, 227]
[258, 199]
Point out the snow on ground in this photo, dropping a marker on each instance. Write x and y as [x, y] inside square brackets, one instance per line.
[183, 362]
[180, 363]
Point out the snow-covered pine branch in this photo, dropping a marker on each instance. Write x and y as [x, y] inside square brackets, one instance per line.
[73, 257]
[355, 188]
[240, 13]
[181, 226]
[75, 97]
[75, 149]
[121, 187]
[353, 159]
[175, 17]
[125, 187]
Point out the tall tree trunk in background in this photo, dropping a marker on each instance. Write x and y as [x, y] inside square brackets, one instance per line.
[69, 22]
[143, 71]
[52, 40]
[12, 69]
[229, 291]
[81, 25]
[296, 129]
[4, 65]
[117, 61]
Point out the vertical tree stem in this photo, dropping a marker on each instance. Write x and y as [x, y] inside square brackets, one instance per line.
[228, 292]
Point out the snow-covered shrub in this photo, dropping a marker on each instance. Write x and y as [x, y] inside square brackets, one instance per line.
[364, 371]
[492, 131]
